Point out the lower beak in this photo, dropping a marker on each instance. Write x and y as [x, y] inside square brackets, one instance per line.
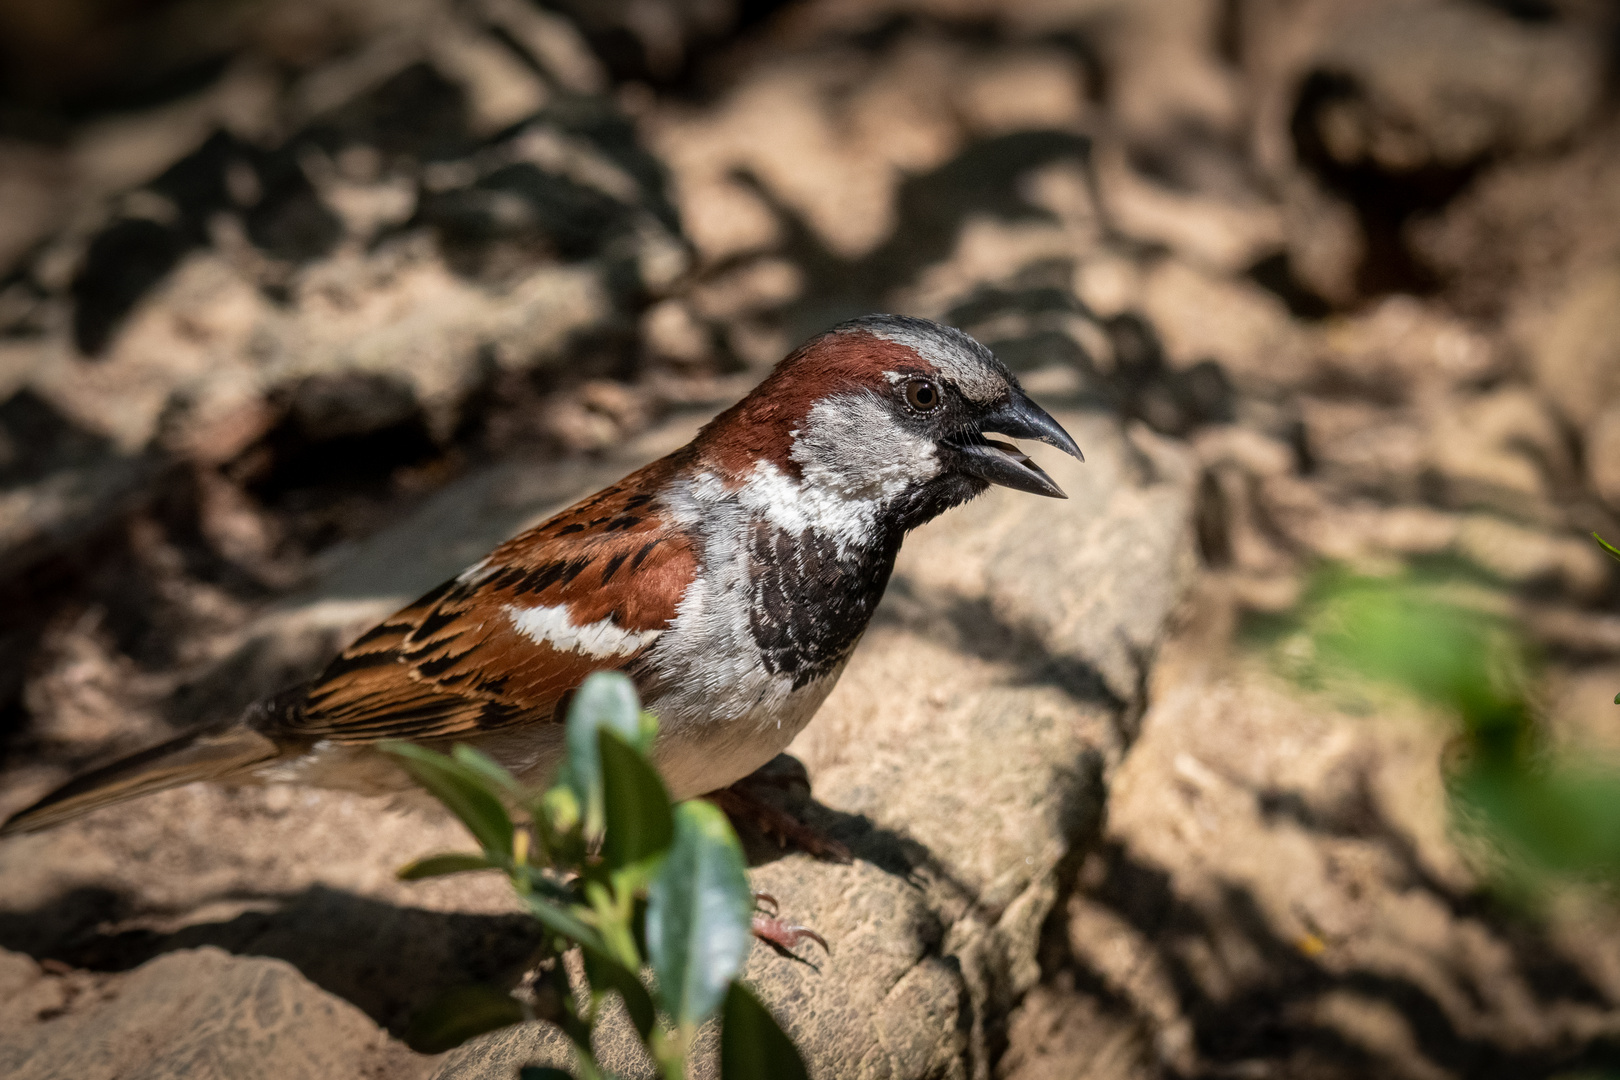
[999, 463]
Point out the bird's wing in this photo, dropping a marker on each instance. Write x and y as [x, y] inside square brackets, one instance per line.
[506, 642]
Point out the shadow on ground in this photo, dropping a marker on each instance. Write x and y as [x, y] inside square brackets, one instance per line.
[389, 961]
[1268, 1021]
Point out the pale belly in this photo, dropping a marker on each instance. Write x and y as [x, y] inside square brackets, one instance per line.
[697, 757]
[696, 753]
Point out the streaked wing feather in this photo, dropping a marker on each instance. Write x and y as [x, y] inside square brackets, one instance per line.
[454, 663]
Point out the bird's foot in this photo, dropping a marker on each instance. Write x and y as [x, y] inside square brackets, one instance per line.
[768, 927]
[783, 826]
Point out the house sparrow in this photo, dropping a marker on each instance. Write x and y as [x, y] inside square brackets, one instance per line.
[731, 580]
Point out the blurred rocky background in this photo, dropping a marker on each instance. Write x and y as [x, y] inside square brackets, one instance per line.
[303, 303]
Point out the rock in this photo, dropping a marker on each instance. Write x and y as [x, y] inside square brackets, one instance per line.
[1406, 86]
[206, 1014]
[410, 221]
[1361, 529]
[1279, 883]
[1168, 80]
[62, 511]
[1504, 449]
[837, 173]
[1603, 456]
[340, 287]
[1054, 1034]
[673, 333]
[1201, 315]
[964, 757]
[823, 138]
[552, 42]
[1325, 244]
[1575, 347]
[1371, 117]
[1068, 587]
[1528, 557]
[652, 42]
[1210, 220]
[60, 483]
[1581, 711]
[1393, 416]
[1526, 230]
[1400, 348]
[32, 188]
[1231, 530]
[1022, 88]
[501, 89]
[504, 1052]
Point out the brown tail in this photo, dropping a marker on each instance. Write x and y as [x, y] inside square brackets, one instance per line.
[209, 754]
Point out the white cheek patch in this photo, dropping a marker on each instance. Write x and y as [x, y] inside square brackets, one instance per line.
[854, 445]
[551, 625]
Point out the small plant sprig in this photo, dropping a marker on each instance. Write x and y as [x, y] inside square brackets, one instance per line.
[608, 866]
[1614, 553]
[1552, 814]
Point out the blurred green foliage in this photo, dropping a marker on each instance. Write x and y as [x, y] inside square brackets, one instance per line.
[1547, 813]
[1614, 553]
[610, 867]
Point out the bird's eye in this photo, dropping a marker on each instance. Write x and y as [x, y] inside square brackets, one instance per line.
[922, 395]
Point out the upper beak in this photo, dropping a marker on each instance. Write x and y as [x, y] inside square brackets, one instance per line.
[999, 463]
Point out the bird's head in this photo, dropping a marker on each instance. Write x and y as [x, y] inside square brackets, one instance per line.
[885, 411]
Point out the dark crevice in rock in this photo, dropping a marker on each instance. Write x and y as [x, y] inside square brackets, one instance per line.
[1276, 275]
[1384, 201]
[121, 265]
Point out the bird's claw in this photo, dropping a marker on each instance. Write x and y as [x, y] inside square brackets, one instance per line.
[785, 935]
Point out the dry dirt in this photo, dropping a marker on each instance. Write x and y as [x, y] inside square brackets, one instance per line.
[305, 305]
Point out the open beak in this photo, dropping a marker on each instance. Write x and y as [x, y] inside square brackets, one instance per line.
[1000, 463]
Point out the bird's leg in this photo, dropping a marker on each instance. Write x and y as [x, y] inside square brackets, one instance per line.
[784, 935]
[742, 801]
[742, 804]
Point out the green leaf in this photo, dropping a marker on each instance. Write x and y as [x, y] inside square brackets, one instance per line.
[699, 914]
[494, 775]
[640, 822]
[460, 1013]
[648, 734]
[1606, 546]
[606, 973]
[1409, 634]
[558, 810]
[752, 1045]
[1561, 816]
[463, 791]
[562, 921]
[543, 1072]
[453, 862]
[607, 699]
